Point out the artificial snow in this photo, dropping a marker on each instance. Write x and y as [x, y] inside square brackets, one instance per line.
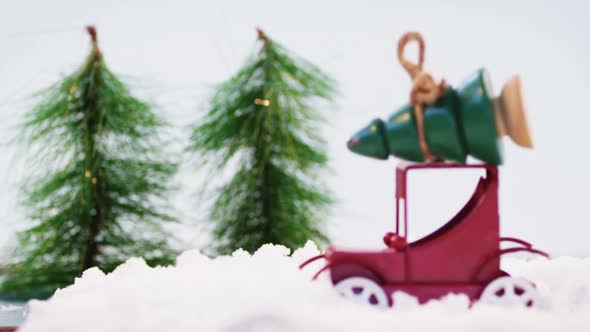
[267, 292]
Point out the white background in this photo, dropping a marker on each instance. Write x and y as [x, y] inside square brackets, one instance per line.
[175, 51]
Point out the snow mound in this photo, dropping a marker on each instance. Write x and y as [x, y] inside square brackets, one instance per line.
[267, 292]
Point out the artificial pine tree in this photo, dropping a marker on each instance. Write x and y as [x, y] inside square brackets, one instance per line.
[263, 118]
[99, 194]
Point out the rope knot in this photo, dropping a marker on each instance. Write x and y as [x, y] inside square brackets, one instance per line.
[424, 90]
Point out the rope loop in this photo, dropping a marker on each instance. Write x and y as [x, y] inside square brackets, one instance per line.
[411, 68]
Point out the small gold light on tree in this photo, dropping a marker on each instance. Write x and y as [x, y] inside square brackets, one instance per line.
[262, 102]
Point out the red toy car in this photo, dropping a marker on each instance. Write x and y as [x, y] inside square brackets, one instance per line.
[463, 256]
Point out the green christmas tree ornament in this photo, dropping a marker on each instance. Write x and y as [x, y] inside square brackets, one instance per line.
[459, 122]
[99, 183]
[266, 118]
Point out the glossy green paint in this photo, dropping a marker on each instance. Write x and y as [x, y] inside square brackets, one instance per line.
[443, 135]
[477, 113]
[461, 122]
[401, 135]
[370, 141]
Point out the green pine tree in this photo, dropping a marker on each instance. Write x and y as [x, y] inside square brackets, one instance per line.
[263, 118]
[98, 195]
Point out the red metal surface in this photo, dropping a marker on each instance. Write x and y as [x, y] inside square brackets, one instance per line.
[325, 268]
[7, 328]
[515, 240]
[462, 256]
[311, 260]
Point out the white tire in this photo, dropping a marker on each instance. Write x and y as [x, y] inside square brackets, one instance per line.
[512, 292]
[363, 290]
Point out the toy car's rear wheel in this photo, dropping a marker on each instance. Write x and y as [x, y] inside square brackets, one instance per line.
[363, 290]
[510, 291]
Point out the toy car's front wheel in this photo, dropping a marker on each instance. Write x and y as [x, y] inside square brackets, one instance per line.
[363, 290]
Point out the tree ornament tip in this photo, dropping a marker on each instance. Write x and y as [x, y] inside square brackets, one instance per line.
[92, 32]
[261, 34]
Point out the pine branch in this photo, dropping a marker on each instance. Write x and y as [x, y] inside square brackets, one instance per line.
[107, 176]
[265, 116]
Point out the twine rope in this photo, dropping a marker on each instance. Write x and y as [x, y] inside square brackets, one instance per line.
[424, 92]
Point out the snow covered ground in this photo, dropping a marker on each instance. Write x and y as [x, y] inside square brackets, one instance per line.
[267, 292]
